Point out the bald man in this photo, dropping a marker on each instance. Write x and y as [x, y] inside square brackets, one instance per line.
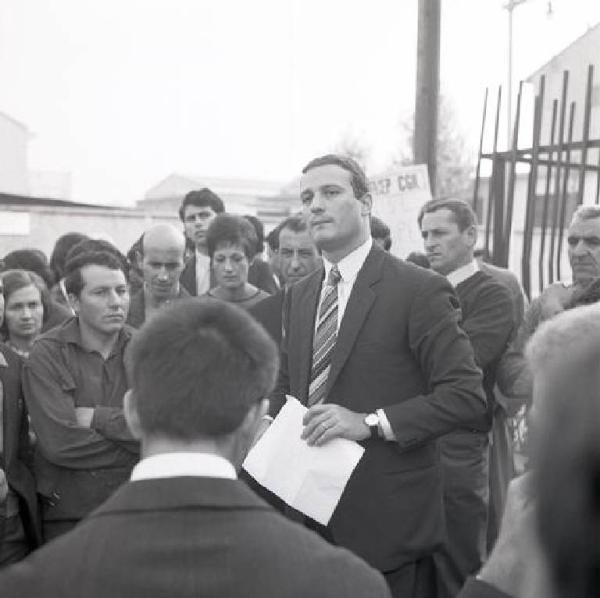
[163, 248]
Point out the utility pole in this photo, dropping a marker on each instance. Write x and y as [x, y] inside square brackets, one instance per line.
[510, 7]
[428, 87]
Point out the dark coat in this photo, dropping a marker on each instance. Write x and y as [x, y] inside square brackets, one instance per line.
[137, 306]
[269, 313]
[190, 537]
[188, 277]
[16, 449]
[400, 348]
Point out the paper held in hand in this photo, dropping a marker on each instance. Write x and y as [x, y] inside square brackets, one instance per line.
[309, 479]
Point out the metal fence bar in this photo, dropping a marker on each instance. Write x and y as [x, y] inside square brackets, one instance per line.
[488, 220]
[531, 193]
[478, 169]
[561, 140]
[498, 190]
[571, 165]
[510, 200]
[585, 138]
[564, 195]
[546, 203]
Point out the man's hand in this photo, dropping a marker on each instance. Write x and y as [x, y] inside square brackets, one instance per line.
[3, 486]
[554, 299]
[84, 416]
[323, 423]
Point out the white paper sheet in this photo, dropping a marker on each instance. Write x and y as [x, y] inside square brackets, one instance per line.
[310, 479]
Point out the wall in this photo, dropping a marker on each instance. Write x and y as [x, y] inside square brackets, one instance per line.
[38, 227]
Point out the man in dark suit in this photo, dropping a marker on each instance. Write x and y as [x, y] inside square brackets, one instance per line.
[449, 231]
[184, 525]
[198, 209]
[19, 522]
[392, 369]
[298, 257]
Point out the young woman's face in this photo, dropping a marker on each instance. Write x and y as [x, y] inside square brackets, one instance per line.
[24, 312]
[230, 266]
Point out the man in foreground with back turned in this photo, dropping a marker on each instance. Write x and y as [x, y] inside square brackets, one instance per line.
[184, 525]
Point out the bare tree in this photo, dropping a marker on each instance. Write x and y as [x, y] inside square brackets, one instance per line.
[455, 160]
[355, 147]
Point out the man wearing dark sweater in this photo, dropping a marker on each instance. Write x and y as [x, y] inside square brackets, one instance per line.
[298, 257]
[449, 233]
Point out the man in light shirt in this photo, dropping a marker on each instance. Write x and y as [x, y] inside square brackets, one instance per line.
[373, 347]
[448, 228]
[198, 209]
[185, 525]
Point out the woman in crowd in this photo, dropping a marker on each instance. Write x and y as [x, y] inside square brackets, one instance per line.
[231, 242]
[28, 310]
[19, 516]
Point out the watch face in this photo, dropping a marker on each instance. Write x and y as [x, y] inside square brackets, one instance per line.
[371, 419]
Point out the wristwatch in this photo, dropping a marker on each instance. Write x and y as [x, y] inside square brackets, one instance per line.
[372, 420]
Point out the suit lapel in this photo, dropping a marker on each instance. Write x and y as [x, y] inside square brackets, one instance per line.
[307, 299]
[359, 304]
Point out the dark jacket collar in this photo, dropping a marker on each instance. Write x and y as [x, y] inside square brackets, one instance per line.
[181, 493]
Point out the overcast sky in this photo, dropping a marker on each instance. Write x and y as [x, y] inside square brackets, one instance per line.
[120, 93]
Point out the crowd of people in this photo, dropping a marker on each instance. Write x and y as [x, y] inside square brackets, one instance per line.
[132, 387]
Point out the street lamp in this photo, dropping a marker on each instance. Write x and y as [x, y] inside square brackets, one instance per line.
[510, 7]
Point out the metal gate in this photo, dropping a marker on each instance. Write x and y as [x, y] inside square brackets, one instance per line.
[563, 168]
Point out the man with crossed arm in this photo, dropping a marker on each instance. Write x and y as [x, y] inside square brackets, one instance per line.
[74, 383]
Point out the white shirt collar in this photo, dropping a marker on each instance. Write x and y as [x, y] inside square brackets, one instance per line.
[202, 257]
[461, 274]
[174, 465]
[352, 263]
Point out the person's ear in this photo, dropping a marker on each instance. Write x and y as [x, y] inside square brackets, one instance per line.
[471, 235]
[73, 302]
[254, 417]
[131, 415]
[366, 204]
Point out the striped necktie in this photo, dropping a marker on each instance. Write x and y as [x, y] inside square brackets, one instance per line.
[324, 339]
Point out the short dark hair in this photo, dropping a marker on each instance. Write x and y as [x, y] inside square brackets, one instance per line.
[418, 259]
[260, 232]
[201, 198]
[462, 212]
[296, 223]
[232, 230]
[567, 473]
[97, 246]
[198, 367]
[14, 280]
[61, 248]
[74, 279]
[359, 182]
[273, 238]
[32, 260]
[380, 230]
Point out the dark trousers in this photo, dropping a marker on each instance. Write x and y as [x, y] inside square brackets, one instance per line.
[53, 529]
[13, 542]
[465, 467]
[412, 580]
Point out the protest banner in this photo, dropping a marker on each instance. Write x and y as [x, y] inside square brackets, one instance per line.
[398, 195]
